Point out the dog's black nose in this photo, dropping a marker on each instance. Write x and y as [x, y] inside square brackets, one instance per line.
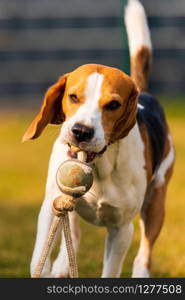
[82, 133]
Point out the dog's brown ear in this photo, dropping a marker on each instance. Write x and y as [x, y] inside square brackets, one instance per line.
[128, 118]
[50, 111]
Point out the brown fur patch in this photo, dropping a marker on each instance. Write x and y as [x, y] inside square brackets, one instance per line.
[140, 68]
[116, 86]
[50, 111]
[153, 210]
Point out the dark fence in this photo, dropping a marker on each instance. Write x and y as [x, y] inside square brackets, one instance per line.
[42, 39]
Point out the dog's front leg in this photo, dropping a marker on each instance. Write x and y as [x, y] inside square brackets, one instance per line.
[117, 244]
[59, 154]
[44, 223]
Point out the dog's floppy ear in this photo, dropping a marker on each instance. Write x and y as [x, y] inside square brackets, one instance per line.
[128, 118]
[50, 111]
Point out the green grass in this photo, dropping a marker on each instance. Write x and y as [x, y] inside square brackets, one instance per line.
[22, 183]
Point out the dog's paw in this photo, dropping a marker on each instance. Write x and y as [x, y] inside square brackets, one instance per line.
[140, 271]
[60, 275]
[47, 274]
[60, 270]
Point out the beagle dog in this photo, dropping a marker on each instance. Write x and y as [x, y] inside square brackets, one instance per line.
[123, 130]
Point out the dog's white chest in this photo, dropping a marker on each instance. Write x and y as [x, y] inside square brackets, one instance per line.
[119, 186]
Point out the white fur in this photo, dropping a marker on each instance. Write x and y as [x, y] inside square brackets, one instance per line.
[88, 114]
[140, 106]
[120, 182]
[136, 26]
[92, 96]
[140, 269]
[117, 243]
[165, 165]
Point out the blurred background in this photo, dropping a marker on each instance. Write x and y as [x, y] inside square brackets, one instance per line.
[41, 40]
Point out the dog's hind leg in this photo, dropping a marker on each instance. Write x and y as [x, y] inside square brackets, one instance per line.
[152, 217]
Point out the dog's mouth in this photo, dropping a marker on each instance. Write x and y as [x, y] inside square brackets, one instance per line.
[73, 152]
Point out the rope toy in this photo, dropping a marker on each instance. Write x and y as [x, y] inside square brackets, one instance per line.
[74, 178]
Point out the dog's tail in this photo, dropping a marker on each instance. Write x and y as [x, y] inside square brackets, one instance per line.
[140, 46]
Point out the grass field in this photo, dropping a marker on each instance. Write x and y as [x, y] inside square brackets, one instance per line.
[22, 182]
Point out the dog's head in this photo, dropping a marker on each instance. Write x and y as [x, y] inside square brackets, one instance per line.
[96, 104]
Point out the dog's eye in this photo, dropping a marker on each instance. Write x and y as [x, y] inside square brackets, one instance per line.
[73, 98]
[113, 105]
